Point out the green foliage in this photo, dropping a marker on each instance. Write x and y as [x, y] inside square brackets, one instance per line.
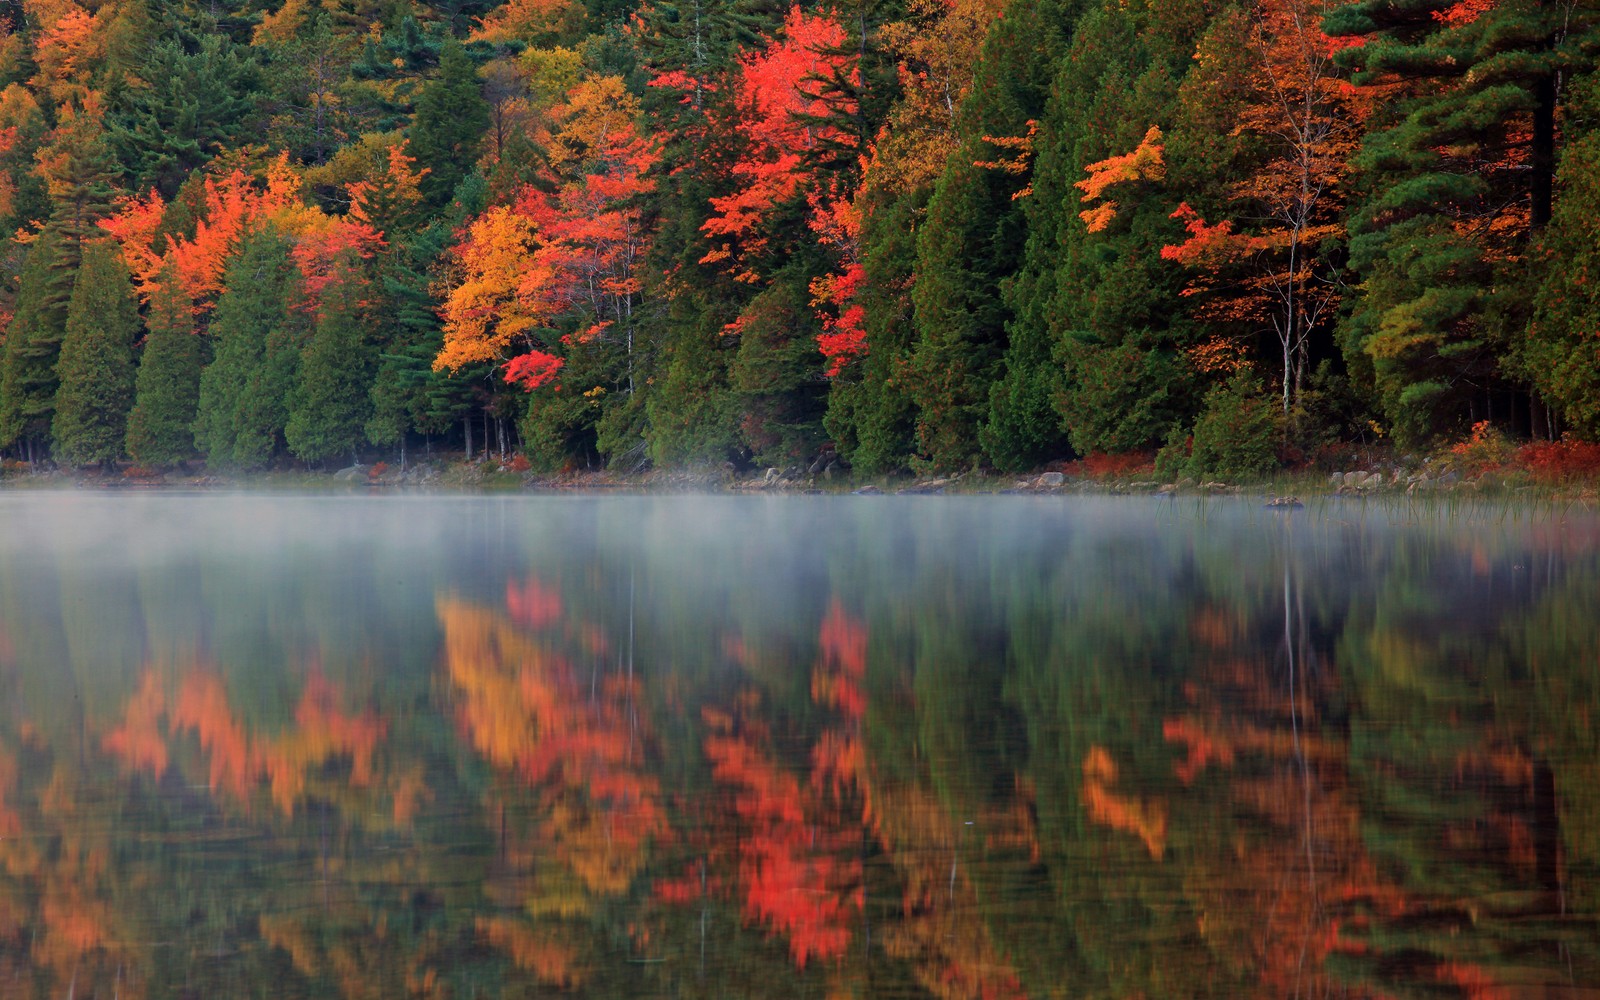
[449, 124]
[330, 405]
[167, 389]
[1125, 397]
[1560, 355]
[773, 377]
[96, 364]
[244, 391]
[1442, 302]
[193, 104]
[1236, 435]
[33, 343]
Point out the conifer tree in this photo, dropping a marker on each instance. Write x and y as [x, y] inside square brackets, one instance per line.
[28, 377]
[190, 107]
[1454, 182]
[167, 389]
[330, 405]
[96, 365]
[244, 390]
[451, 119]
[972, 239]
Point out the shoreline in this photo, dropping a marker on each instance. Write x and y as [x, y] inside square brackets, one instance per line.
[491, 478]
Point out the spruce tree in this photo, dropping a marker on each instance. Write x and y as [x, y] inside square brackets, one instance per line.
[244, 390]
[167, 390]
[96, 364]
[450, 121]
[330, 405]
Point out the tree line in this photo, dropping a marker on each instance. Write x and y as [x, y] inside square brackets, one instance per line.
[929, 233]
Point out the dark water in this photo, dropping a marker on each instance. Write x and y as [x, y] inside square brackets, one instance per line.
[795, 747]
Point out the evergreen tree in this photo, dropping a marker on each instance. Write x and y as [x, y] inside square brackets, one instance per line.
[167, 390]
[1453, 182]
[193, 105]
[451, 119]
[28, 377]
[1098, 328]
[331, 404]
[245, 389]
[96, 364]
[871, 414]
[971, 242]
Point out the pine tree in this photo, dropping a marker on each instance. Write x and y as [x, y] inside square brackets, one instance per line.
[1453, 184]
[96, 365]
[330, 405]
[192, 106]
[28, 377]
[449, 124]
[167, 390]
[244, 390]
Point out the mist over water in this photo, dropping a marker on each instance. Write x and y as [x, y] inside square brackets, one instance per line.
[628, 746]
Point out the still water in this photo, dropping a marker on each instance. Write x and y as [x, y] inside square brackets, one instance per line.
[997, 747]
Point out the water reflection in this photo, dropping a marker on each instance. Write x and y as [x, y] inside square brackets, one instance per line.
[830, 747]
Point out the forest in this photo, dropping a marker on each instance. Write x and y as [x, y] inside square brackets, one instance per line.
[925, 234]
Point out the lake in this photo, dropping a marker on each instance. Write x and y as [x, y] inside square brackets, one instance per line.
[785, 746]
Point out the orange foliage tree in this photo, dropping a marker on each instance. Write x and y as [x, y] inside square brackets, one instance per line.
[1272, 258]
[568, 257]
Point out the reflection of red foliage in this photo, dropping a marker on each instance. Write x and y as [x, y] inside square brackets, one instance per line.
[1203, 749]
[837, 680]
[533, 604]
[793, 883]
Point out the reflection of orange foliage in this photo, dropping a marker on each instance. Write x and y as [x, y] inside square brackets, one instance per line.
[74, 926]
[202, 706]
[552, 961]
[1146, 820]
[533, 604]
[139, 741]
[322, 733]
[942, 930]
[279, 931]
[523, 708]
[10, 824]
[238, 761]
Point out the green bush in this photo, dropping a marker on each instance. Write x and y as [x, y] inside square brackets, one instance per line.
[1238, 431]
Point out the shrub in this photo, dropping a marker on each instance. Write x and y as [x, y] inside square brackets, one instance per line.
[1485, 449]
[1100, 465]
[1237, 433]
[1557, 460]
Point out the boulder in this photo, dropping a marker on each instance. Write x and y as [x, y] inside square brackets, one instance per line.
[1052, 479]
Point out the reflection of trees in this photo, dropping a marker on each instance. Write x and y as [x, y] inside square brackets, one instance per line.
[575, 807]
